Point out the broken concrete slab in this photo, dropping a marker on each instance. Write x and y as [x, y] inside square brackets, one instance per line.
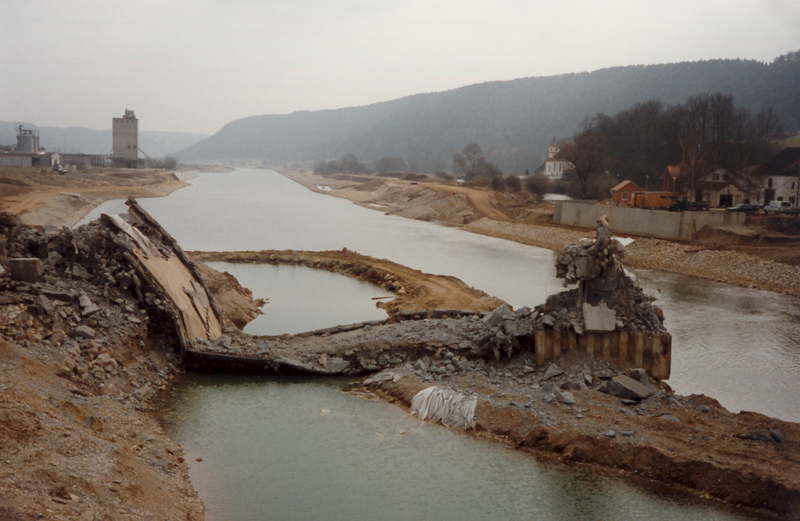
[84, 331]
[553, 371]
[599, 318]
[26, 269]
[498, 316]
[626, 387]
[337, 365]
[79, 272]
[168, 269]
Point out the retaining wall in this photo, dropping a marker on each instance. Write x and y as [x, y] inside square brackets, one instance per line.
[626, 349]
[682, 226]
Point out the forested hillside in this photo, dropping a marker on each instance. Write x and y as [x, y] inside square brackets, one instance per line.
[513, 121]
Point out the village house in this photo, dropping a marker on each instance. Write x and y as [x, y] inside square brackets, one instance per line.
[721, 188]
[779, 178]
[776, 180]
[622, 193]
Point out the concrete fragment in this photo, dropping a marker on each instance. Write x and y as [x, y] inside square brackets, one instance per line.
[79, 272]
[26, 270]
[566, 397]
[553, 371]
[85, 302]
[626, 387]
[599, 318]
[771, 436]
[46, 306]
[498, 316]
[337, 365]
[90, 311]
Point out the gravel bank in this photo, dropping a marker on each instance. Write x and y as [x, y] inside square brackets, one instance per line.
[722, 266]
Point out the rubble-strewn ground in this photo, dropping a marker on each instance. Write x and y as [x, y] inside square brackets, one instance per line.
[77, 442]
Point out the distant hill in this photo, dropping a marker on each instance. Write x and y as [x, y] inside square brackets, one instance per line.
[513, 121]
[88, 141]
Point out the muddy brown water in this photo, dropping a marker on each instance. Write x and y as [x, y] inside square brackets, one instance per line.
[737, 345]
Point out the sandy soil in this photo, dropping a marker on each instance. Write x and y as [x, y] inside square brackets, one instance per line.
[48, 198]
[412, 289]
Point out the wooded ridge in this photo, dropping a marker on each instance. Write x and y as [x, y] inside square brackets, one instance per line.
[513, 121]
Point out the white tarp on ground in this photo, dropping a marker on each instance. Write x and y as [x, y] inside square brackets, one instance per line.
[445, 405]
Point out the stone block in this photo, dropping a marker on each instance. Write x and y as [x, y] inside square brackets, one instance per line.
[599, 318]
[626, 387]
[27, 269]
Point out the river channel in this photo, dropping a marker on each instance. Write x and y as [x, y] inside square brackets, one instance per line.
[267, 442]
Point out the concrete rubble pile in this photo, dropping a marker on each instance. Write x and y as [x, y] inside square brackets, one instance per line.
[89, 292]
[607, 298]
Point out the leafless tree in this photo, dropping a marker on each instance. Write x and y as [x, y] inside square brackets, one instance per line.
[587, 152]
[470, 162]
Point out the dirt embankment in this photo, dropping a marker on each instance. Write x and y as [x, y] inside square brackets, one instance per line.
[413, 289]
[677, 444]
[77, 440]
[49, 198]
[764, 255]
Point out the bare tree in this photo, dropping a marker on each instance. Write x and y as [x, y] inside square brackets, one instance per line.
[469, 162]
[587, 152]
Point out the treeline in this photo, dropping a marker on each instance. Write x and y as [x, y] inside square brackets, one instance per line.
[705, 132]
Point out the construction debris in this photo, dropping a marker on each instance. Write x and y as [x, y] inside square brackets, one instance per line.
[126, 260]
[607, 297]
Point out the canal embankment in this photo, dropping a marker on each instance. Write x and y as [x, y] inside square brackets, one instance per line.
[476, 211]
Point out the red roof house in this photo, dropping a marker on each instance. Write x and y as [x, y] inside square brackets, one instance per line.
[621, 194]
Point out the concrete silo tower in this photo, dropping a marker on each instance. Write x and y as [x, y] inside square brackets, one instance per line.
[125, 131]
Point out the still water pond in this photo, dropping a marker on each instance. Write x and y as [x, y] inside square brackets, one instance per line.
[303, 299]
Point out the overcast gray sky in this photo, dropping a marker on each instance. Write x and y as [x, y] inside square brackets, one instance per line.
[194, 65]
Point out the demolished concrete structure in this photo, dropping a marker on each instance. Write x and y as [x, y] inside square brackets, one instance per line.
[111, 341]
[137, 259]
[607, 315]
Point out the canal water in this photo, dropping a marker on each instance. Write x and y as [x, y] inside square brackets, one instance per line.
[306, 449]
[737, 345]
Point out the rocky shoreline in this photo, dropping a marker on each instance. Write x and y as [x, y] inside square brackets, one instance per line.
[730, 267]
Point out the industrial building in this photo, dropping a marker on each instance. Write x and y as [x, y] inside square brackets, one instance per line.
[28, 153]
[125, 140]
